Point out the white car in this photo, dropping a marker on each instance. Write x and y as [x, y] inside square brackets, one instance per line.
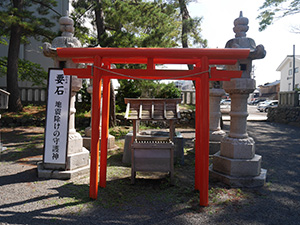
[264, 106]
[225, 106]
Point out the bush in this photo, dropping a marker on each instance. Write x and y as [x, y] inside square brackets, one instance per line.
[127, 89]
[84, 104]
[27, 70]
[169, 91]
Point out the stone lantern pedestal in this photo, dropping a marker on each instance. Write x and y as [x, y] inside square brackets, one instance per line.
[237, 164]
[215, 132]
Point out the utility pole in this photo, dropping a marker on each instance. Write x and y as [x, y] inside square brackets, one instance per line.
[293, 87]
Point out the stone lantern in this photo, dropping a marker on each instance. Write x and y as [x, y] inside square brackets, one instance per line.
[237, 164]
[78, 156]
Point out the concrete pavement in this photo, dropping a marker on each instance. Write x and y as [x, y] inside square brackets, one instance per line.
[254, 115]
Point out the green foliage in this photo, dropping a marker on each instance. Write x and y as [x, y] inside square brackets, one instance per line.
[127, 89]
[19, 20]
[118, 132]
[3, 41]
[137, 23]
[168, 91]
[144, 89]
[28, 71]
[84, 104]
[129, 24]
[31, 16]
[272, 9]
[190, 26]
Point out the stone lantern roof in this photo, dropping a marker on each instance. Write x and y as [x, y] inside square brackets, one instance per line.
[241, 41]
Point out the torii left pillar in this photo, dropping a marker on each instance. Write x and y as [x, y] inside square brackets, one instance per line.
[78, 156]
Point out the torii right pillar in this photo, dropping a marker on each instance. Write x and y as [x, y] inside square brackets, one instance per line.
[236, 164]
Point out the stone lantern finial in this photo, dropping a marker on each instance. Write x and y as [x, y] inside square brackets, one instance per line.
[66, 26]
[241, 26]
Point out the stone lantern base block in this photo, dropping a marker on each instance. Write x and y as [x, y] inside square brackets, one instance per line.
[214, 147]
[78, 160]
[74, 143]
[61, 174]
[216, 135]
[237, 167]
[237, 148]
[233, 181]
[77, 164]
[110, 142]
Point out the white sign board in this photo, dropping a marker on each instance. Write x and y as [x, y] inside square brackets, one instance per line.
[57, 120]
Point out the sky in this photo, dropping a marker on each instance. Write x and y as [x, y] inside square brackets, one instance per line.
[278, 40]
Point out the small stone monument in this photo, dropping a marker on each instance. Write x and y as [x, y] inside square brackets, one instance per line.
[78, 156]
[237, 164]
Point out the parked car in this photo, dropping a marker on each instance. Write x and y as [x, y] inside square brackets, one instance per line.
[225, 102]
[225, 105]
[256, 101]
[264, 106]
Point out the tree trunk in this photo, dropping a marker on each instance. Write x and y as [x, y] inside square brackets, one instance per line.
[14, 104]
[112, 108]
[99, 16]
[185, 29]
[100, 34]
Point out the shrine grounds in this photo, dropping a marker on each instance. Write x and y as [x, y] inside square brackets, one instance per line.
[26, 199]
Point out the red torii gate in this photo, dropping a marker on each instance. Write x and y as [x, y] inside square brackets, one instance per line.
[102, 58]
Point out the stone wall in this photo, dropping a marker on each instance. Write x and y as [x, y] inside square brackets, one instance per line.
[286, 115]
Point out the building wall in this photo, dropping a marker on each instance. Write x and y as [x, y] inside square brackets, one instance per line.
[286, 80]
[270, 91]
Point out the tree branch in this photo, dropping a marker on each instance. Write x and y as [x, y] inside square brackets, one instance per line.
[47, 6]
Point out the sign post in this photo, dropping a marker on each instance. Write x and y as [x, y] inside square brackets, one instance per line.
[57, 119]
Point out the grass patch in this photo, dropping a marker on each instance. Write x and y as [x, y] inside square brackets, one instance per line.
[119, 131]
[33, 111]
[85, 114]
[149, 126]
[187, 107]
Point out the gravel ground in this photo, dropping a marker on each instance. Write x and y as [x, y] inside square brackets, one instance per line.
[25, 199]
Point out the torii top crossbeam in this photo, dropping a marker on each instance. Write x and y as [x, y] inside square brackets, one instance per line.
[203, 72]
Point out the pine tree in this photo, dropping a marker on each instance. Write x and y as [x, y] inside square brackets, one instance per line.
[272, 9]
[20, 19]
